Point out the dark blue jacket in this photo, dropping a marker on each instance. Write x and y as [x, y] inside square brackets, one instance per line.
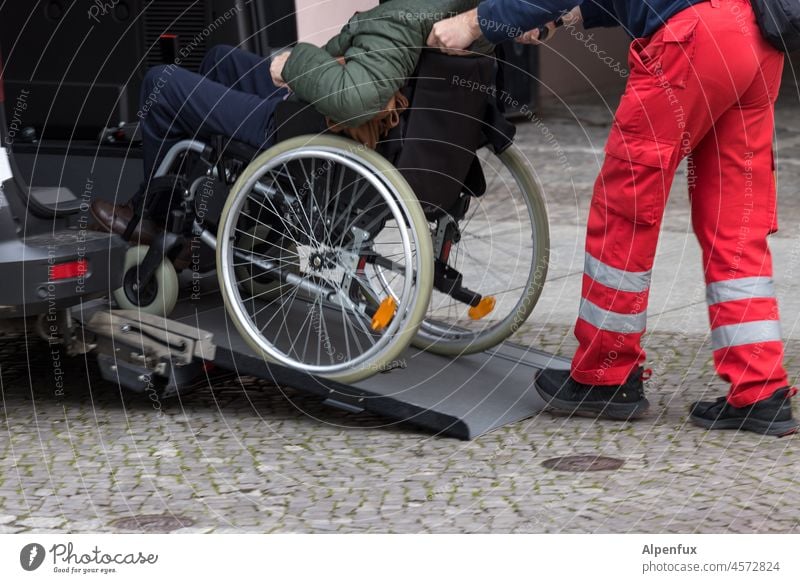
[504, 19]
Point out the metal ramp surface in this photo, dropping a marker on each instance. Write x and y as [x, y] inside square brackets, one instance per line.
[463, 397]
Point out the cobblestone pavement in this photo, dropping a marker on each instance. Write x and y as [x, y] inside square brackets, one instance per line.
[246, 456]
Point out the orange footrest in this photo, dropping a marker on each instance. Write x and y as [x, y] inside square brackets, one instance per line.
[384, 314]
[483, 309]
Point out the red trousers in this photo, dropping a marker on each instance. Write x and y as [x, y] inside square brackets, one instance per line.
[704, 87]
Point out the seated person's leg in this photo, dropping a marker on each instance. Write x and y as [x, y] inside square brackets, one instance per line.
[178, 104]
[238, 69]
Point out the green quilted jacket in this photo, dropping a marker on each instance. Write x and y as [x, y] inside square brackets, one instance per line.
[381, 48]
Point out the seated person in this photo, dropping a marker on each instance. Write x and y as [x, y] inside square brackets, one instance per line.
[350, 81]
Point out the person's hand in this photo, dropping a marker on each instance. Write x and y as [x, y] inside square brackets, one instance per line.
[456, 34]
[276, 69]
[572, 17]
[532, 37]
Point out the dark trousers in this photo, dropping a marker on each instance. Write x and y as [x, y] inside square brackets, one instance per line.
[233, 95]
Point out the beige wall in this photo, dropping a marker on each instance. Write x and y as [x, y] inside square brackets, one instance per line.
[319, 20]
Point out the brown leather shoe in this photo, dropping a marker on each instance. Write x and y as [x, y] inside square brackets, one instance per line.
[115, 218]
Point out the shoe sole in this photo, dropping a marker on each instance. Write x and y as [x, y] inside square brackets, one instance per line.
[608, 410]
[776, 428]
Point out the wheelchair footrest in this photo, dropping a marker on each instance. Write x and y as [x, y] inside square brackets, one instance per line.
[483, 309]
[449, 281]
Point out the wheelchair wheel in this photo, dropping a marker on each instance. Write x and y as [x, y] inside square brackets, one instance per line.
[503, 253]
[158, 297]
[329, 198]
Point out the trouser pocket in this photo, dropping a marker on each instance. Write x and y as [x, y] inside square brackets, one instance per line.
[671, 51]
[636, 177]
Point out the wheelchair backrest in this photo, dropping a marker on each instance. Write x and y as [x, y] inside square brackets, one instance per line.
[443, 127]
[452, 114]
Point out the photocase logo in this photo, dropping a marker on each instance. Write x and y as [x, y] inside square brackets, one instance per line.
[31, 556]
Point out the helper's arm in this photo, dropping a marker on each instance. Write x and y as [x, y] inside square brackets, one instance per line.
[501, 20]
[376, 66]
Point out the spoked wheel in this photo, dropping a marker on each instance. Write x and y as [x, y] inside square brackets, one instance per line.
[328, 198]
[503, 253]
[269, 243]
[158, 297]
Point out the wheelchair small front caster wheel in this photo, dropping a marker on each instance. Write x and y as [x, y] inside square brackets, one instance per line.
[158, 296]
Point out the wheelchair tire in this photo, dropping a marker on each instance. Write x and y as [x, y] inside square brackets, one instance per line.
[300, 185]
[159, 297]
[456, 334]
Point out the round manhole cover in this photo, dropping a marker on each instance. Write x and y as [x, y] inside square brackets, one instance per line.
[583, 463]
[152, 523]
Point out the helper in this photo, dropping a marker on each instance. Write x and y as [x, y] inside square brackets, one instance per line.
[703, 84]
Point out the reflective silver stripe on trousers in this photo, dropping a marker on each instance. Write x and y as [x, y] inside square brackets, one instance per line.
[743, 288]
[612, 321]
[746, 333]
[629, 281]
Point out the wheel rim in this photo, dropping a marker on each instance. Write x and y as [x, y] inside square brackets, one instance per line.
[330, 338]
[142, 295]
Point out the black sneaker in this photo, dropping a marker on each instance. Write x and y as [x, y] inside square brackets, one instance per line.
[560, 391]
[771, 416]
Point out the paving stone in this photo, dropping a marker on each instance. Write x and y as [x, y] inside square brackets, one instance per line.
[38, 523]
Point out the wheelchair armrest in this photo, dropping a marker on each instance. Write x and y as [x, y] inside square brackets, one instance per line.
[240, 150]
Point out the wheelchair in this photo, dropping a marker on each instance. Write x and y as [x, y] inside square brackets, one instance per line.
[332, 258]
